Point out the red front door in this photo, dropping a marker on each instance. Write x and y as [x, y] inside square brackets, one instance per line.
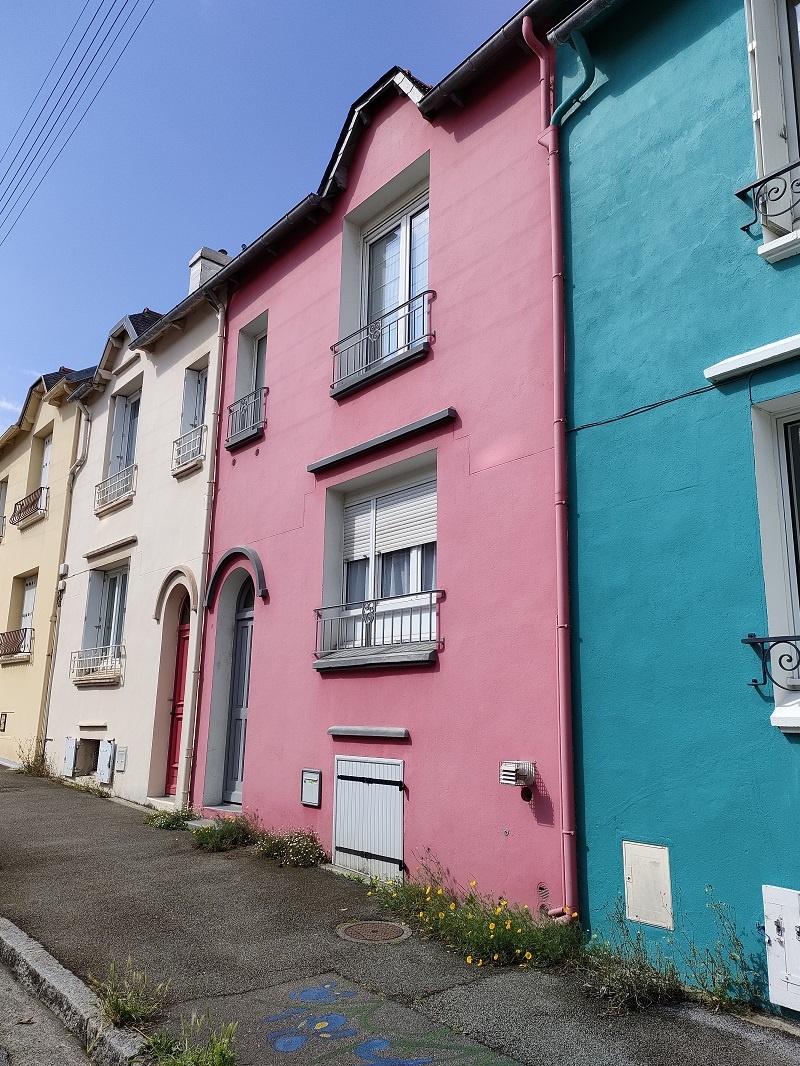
[176, 716]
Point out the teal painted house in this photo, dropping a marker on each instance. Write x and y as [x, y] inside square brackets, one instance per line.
[683, 356]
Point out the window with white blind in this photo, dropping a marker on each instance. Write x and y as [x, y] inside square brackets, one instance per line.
[194, 399]
[105, 608]
[124, 433]
[773, 42]
[389, 544]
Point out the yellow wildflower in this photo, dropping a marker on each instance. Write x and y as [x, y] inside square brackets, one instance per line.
[518, 952]
[503, 902]
[527, 955]
[525, 907]
[508, 925]
[491, 925]
[574, 914]
[480, 962]
[469, 915]
[428, 890]
[441, 914]
[393, 894]
[369, 893]
[452, 906]
[519, 930]
[469, 958]
[421, 913]
[496, 958]
[472, 884]
[438, 891]
[497, 910]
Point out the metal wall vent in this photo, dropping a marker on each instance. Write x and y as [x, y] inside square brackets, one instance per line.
[544, 892]
[517, 773]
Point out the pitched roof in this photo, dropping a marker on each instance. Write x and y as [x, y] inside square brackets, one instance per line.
[142, 321]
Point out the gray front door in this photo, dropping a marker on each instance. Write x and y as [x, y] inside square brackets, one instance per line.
[240, 684]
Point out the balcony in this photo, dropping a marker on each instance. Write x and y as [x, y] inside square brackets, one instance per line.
[189, 451]
[246, 419]
[391, 341]
[31, 509]
[394, 631]
[97, 666]
[115, 490]
[16, 646]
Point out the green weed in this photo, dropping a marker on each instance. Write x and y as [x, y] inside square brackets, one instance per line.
[128, 999]
[198, 1045]
[227, 832]
[177, 818]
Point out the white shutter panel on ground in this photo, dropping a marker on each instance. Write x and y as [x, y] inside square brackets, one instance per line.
[368, 821]
[358, 530]
[406, 518]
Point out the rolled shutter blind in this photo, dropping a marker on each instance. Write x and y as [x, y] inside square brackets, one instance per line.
[406, 518]
[357, 530]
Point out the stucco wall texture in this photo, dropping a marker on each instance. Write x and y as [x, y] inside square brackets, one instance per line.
[491, 696]
[673, 747]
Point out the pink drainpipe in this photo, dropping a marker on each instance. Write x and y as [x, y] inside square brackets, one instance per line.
[549, 140]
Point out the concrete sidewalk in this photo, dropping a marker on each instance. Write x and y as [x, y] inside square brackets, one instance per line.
[257, 944]
[29, 1034]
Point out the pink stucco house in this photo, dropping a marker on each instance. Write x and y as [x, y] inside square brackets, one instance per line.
[381, 623]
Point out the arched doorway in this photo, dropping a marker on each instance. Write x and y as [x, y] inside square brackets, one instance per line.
[178, 699]
[237, 703]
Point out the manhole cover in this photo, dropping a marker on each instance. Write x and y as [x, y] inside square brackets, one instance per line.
[373, 932]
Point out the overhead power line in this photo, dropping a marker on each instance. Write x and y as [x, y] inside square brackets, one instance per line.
[52, 137]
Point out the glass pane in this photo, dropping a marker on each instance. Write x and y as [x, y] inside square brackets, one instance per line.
[247, 598]
[119, 609]
[130, 441]
[260, 362]
[428, 567]
[396, 573]
[384, 275]
[419, 253]
[356, 580]
[107, 616]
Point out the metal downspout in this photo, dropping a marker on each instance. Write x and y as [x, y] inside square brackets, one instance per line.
[549, 140]
[185, 772]
[576, 39]
[74, 470]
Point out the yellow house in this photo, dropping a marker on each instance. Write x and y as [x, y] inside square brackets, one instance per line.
[39, 457]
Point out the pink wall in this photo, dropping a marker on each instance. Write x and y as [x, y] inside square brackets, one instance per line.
[491, 696]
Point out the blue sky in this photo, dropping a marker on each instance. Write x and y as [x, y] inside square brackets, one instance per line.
[219, 117]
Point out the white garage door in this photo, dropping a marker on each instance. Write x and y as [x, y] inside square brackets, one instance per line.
[368, 816]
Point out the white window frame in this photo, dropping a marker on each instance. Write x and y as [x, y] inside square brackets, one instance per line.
[120, 433]
[775, 109]
[399, 215]
[781, 580]
[195, 395]
[102, 600]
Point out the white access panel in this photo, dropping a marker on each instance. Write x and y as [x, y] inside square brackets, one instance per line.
[368, 816]
[782, 936]
[648, 888]
[105, 762]
[70, 754]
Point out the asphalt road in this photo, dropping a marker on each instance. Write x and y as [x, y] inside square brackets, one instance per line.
[257, 945]
[29, 1034]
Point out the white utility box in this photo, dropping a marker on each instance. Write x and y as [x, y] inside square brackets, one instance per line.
[782, 935]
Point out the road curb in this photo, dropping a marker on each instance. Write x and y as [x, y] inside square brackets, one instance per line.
[66, 996]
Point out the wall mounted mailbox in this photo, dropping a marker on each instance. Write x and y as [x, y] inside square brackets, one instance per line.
[311, 788]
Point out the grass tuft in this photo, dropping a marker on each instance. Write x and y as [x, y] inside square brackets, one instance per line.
[34, 761]
[295, 847]
[198, 1045]
[127, 998]
[177, 818]
[227, 832]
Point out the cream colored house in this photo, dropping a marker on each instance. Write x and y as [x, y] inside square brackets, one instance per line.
[39, 459]
[127, 662]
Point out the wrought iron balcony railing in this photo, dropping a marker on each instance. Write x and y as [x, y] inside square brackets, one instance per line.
[33, 507]
[97, 664]
[412, 619]
[399, 331]
[16, 642]
[246, 417]
[189, 449]
[788, 659]
[116, 487]
[775, 199]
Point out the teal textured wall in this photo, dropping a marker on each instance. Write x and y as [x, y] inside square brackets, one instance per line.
[673, 747]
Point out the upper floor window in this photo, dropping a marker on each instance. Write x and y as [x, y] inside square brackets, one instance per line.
[18, 641]
[3, 498]
[773, 29]
[247, 414]
[385, 300]
[120, 480]
[189, 450]
[101, 657]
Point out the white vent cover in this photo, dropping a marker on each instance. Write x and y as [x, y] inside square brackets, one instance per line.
[513, 772]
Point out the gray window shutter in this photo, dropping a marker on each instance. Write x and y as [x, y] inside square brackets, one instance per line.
[358, 530]
[105, 762]
[70, 754]
[406, 518]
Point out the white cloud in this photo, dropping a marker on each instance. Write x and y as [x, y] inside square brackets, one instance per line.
[7, 405]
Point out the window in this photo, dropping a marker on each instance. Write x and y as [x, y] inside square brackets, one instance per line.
[126, 425]
[387, 595]
[26, 614]
[18, 641]
[121, 477]
[189, 450]
[773, 28]
[102, 652]
[246, 415]
[385, 300]
[3, 498]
